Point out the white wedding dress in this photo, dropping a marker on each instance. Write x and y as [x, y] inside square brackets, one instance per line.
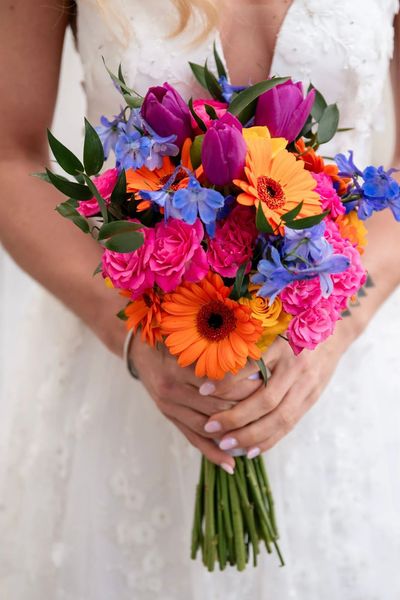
[97, 487]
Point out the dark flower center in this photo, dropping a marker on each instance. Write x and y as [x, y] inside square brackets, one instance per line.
[181, 174]
[270, 192]
[215, 321]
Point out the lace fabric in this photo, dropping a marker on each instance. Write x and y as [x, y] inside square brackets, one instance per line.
[97, 487]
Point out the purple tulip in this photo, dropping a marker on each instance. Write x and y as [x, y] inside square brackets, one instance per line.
[224, 150]
[284, 110]
[167, 113]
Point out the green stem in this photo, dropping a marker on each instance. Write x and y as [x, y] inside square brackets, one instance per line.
[198, 514]
[222, 558]
[260, 465]
[248, 509]
[240, 549]
[210, 541]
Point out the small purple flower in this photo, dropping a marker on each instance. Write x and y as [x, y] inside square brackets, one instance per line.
[224, 150]
[161, 147]
[196, 200]
[109, 132]
[167, 113]
[229, 90]
[132, 150]
[284, 110]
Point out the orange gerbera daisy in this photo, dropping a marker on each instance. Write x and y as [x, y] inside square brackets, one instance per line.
[315, 163]
[353, 229]
[277, 181]
[145, 312]
[204, 326]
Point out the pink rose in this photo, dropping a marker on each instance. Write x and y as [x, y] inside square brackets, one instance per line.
[178, 254]
[329, 199]
[349, 282]
[199, 108]
[234, 241]
[105, 183]
[131, 270]
[301, 295]
[313, 326]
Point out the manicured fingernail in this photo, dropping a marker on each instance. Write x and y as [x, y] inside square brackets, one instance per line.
[253, 453]
[227, 468]
[228, 444]
[254, 376]
[212, 427]
[207, 388]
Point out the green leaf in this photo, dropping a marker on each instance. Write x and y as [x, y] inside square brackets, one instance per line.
[220, 65]
[198, 72]
[133, 101]
[237, 286]
[196, 117]
[42, 176]
[65, 158]
[292, 214]
[67, 210]
[369, 283]
[95, 192]
[120, 83]
[307, 221]
[69, 188]
[328, 124]
[125, 242]
[98, 269]
[210, 110]
[120, 74]
[195, 151]
[261, 222]
[122, 315]
[119, 192]
[117, 227]
[212, 84]
[93, 152]
[243, 99]
[319, 106]
[263, 370]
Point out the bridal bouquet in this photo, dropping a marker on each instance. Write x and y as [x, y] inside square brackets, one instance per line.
[223, 228]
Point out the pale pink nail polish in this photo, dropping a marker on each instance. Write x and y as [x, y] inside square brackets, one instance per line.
[228, 444]
[254, 376]
[253, 453]
[227, 468]
[212, 427]
[207, 388]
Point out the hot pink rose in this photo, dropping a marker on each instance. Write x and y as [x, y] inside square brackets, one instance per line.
[234, 241]
[178, 254]
[301, 295]
[199, 108]
[131, 271]
[105, 183]
[313, 326]
[329, 198]
[349, 282]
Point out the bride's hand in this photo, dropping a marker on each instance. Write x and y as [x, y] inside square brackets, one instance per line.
[263, 418]
[176, 393]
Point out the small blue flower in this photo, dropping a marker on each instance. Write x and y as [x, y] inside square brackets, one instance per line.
[272, 275]
[228, 90]
[132, 150]
[346, 165]
[109, 132]
[196, 200]
[161, 147]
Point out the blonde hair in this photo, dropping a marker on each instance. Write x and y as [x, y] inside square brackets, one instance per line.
[206, 9]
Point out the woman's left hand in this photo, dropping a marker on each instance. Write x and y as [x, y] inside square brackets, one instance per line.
[259, 421]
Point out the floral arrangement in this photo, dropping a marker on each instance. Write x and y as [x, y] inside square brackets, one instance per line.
[223, 228]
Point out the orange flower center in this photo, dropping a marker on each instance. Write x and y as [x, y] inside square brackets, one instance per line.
[270, 192]
[215, 321]
[181, 174]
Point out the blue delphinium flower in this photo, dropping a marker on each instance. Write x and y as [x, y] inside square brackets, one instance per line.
[346, 165]
[228, 90]
[109, 132]
[196, 200]
[161, 147]
[304, 254]
[132, 150]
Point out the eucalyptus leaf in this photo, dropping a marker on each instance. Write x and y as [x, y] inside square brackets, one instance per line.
[243, 99]
[307, 222]
[69, 188]
[196, 117]
[319, 106]
[328, 124]
[65, 158]
[93, 152]
[198, 72]
[212, 84]
[261, 222]
[220, 65]
[292, 214]
[125, 242]
[113, 228]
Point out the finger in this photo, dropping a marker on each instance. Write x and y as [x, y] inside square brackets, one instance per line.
[208, 448]
[261, 403]
[187, 395]
[279, 425]
[192, 419]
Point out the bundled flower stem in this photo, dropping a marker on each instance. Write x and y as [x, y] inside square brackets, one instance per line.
[233, 515]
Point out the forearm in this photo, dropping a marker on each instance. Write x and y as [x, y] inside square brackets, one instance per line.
[54, 252]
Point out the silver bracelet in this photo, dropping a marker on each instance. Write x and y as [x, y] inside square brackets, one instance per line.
[126, 355]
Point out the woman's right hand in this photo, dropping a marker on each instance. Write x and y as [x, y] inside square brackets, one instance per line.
[176, 393]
